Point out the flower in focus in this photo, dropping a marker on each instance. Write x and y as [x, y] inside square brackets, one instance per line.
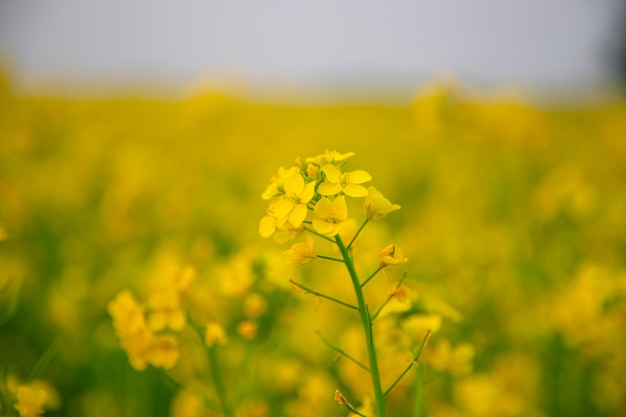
[349, 183]
[331, 214]
[297, 194]
[276, 186]
[376, 206]
[329, 157]
[300, 253]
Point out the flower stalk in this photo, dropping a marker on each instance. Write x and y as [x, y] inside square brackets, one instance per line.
[366, 322]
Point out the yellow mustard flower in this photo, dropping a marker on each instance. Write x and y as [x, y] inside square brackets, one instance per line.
[30, 401]
[214, 334]
[248, 329]
[276, 217]
[301, 253]
[297, 194]
[165, 311]
[332, 215]
[3, 233]
[376, 206]
[254, 305]
[329, 157]
[455, 361]
[164, 351]
[349, 183]
[127, 313]
[391, 255]
[276, 186]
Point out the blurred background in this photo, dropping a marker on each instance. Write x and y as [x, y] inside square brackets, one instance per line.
[136, 139]
[81, 45]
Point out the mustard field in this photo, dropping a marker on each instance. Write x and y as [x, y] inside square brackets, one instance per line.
[460, 255]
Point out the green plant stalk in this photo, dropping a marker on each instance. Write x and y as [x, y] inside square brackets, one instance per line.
[419, 392]
[217, 380]
[379, 396]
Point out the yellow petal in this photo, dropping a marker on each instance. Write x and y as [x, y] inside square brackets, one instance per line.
[359, 177]
[267, 226]
[294, 184]
[297, 215]
[332, 173]
[353, 190]
[329, 188]
[322, 227]
[308, 192]
[323, 208]
[340, 208]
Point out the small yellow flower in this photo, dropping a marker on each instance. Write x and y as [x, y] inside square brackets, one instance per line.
[277, 216]
[376, 206]
[329, 157]
[164, 352]
[3, 233]
[297, 194]
[301, 253]
[166, 311]
[332, 215]
[248, 329]
[391, 255]
[30, 401]
[276, 186]
[402, 293]
[127, 313]
[254, 305]
[214, 335]
[349, 183]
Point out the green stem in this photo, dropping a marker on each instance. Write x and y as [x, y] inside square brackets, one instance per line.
[318, 234]
[214, 369]
[329, 258]
[389, 297]
[319, 294]
[358, 232]
[413, 362]
[371, 276]
[342, 352]
[379, 396]
[217, 380]
[419, 392]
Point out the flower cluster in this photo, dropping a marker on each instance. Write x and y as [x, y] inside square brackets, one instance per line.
[313, 194]
[148, 332]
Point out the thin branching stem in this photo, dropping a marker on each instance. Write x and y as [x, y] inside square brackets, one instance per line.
[330, 258]
[319, 294]
[318, 234]
[389, 297]
[358, 232]
[379, 396]
[342, 352]
[413, 362]
[371, 276]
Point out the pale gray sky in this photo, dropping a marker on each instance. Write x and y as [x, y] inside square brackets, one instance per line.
[542, 43]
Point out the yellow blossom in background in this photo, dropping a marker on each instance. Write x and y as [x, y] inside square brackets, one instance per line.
[391, 255]
[165, 311]
[349, 183]
[247, 329]
[301, 253]
[127, 313]
[3, 233]
[254, 305]
[164, 351]
[35, 397]
[376, 206]
[331, 215]
[214, 334]
[456, 361]
[402, 293]
[30, 402]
